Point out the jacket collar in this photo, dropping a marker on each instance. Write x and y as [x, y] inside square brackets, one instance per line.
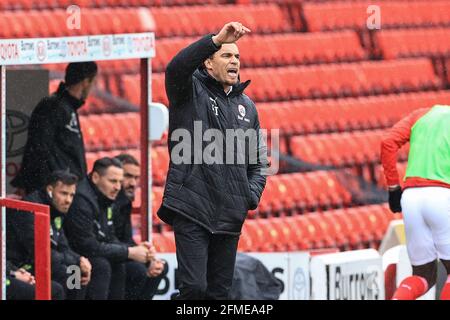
[62, 93]
[217, 87]
[103, 201]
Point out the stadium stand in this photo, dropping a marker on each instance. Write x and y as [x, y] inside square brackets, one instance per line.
[434, 42]
[279, 49]
[340, 149]
[332, 89]
[297, 117]
[395, 14]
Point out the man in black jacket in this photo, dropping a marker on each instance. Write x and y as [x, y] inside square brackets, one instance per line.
[90, 230]
[55, 141]
[206, 201]
[58, 194]
[142, 280]
[20, 284]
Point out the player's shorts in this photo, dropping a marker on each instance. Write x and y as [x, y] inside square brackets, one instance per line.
[426, 214]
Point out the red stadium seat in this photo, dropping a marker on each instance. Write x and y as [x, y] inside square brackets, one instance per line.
[414, 42]
[199, 20]
[353, 14]
[363, 78]
[278, 49]
[341, 149]
[52, 23]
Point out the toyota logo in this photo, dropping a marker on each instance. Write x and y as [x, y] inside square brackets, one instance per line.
[16, 124]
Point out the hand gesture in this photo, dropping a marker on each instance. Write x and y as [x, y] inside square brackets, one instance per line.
[231, 32]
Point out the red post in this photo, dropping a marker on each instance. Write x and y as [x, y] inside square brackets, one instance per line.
[144, 143]
[42, 264]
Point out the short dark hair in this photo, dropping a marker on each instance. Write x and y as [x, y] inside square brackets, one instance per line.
[63, 176]
[102, 164]
[78, 71]
[126, 158]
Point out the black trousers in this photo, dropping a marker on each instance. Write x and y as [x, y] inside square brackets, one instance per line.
[19, 290]
[139, 286]
[107, 280]
[205, 261]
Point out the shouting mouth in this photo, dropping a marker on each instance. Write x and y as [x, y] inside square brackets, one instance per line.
[232, 72]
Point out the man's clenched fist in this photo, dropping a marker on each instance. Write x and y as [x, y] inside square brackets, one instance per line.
[231, 32]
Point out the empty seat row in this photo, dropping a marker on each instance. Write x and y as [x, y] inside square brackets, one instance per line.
[200, 20]
[351, 228]
[414, 42]
[333, 80]
[346, 79]
[354, 14]
[299, 192]
[44, 4]
[53, 23]
[331, 115]
[341, 149]
[108, 131]
[278, 49]
[130, 86]
[52, 4]
[168, 21]
[111, 131]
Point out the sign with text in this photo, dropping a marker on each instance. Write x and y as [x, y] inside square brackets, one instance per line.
[77, 49]
[351, 275]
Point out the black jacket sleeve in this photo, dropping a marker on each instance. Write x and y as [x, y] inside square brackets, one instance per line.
[10, 267]
[24, 224]
[36, 166]
[81, 233]
[70, 256]
[179, 71]
[255, 176]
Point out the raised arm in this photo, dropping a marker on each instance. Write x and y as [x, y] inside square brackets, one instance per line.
[180, 69]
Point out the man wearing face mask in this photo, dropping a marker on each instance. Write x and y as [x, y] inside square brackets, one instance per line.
[55, 141]
[142, 281]
[90, 230]
[58, 195]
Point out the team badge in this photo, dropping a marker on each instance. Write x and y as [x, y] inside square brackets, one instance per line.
[241, 109]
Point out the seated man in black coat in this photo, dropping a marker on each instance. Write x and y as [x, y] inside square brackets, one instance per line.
[142, 280]
[58, 194]
[90, 230]
[20, 284]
